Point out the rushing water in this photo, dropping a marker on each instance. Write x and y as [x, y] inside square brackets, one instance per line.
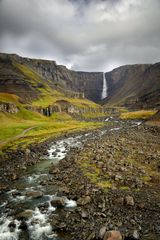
[105, 88]
[39, 227]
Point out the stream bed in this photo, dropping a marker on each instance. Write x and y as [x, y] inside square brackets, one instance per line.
[28, 203]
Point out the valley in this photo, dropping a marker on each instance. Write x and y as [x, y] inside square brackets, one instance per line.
[79, 151]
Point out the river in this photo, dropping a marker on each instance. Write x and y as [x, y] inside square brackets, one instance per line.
[30, 199]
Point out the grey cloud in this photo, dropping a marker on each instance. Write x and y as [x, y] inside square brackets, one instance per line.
[84, 34]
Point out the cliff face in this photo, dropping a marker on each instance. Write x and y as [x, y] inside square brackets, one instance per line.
[57, 76]
[134, 85]
[131, 85]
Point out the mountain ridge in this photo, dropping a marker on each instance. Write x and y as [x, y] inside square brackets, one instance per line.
[135, 86]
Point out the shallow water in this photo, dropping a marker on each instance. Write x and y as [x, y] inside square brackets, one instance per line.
[39, 227]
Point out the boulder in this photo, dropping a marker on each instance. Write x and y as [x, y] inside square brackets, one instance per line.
[58, 202]
[84, 200]
[34, 194]
[25, 215]
[23, 226]
[13, 177]
[129, 201]
[102, 232]
[12, 226]
[112, 235]
[54, 170]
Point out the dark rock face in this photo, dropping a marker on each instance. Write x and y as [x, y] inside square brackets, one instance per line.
[72, 83]
[13, 81]
[135, 85]
[131, 85]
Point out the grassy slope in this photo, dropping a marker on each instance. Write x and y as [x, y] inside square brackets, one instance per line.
[141, 114]
[13, 125]
[48, 95]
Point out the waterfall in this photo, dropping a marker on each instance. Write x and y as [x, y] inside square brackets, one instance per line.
[104, 90]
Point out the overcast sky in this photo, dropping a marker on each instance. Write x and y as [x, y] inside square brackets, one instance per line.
[90, 35]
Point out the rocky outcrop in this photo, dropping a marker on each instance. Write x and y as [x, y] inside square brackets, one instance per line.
[65, 106]
[8, 107]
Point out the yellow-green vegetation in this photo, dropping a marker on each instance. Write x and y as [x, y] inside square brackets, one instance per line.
[93, 172]
[47, 95]
[31, 75]
[9, 98]
[141, 114]
[91, 115]
[48, 98]
[25, 127]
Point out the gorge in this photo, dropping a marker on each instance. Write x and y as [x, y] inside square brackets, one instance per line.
[79, 151]
[131, 85]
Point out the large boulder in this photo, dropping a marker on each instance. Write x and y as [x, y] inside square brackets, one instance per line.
[112, 235]
[58, 202]
[25, 215]
[34, 194]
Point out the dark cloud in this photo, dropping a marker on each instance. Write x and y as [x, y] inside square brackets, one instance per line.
[83, 34]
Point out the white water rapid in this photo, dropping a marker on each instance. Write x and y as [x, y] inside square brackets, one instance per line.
[105, 88]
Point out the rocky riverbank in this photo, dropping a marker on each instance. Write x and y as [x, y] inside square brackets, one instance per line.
[115, 181]
[113, 176]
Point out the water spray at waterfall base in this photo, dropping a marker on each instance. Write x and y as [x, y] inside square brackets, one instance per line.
[105, 88]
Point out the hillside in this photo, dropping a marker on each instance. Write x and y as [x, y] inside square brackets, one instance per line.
[36, 104]
[134, 86]
[44, 82]
[34, 75]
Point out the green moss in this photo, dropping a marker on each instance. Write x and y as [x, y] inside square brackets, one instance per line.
[105, 184]
[125, 188]
[146, 178]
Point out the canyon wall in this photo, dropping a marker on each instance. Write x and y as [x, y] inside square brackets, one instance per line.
[134, 85]
[131, 85]
[87, 84]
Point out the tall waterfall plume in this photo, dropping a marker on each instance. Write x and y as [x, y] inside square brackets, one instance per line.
[105, 88]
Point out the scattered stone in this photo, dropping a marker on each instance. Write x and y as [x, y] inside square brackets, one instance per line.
[132, 235]
[129, 201]
[12, 226]
[25, 215]
[34, 194]
[23, 226]
[102, 232]
[3, 187]
[58, 202]
[54, 170]
[13, 177]
[91, 236]
[27, 151]
[84, 214]
[119, 201]
[84, 200]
